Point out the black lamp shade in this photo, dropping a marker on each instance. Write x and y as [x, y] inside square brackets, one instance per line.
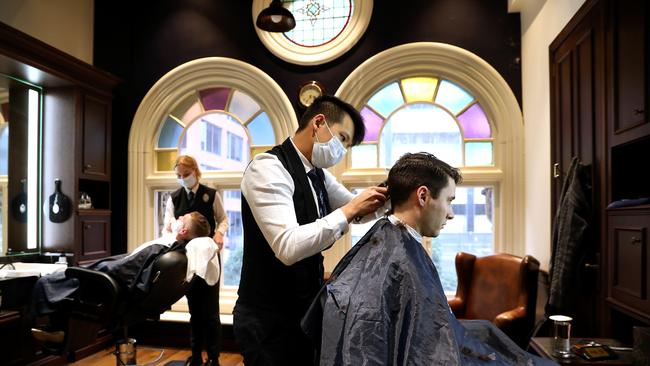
[275, 18]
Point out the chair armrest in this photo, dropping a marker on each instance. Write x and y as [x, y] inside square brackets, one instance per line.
[94, 278]
[97, 296]
[508, 319]
[457, 306]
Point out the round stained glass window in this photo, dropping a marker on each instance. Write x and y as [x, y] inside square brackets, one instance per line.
[318, 22]
[325, 29]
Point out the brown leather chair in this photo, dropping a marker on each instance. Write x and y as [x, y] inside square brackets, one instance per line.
[501, 288]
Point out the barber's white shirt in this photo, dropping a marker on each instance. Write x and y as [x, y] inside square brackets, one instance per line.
[268, 188]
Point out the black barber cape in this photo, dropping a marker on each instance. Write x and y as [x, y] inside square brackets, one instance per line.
[132, 272]
[384, 305]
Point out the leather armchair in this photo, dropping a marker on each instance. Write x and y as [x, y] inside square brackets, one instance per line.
[501, 288]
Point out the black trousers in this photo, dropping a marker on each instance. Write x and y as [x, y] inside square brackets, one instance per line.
[203, 302]
[268, 338]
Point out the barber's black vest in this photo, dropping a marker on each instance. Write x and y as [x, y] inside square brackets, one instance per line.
[265, 281]
[205, 208]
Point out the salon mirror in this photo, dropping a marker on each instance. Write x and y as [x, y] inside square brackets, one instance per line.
[19, 165]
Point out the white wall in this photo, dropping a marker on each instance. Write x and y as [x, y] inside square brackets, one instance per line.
[541, 21]
[63, 24]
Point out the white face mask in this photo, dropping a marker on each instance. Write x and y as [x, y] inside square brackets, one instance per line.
[187, 182]
[327, 154]
[177, 226]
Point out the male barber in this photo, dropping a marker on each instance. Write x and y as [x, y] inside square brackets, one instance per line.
[292, 209]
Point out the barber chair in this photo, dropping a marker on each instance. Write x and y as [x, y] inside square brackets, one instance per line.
[501, 288]
[101, 303]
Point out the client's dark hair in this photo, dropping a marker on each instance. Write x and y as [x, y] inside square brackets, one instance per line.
[334, 110]
[420, 169]
[199, 225]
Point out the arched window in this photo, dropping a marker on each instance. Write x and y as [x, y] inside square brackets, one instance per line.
[443, 100]
[222, 112]
[219, 127]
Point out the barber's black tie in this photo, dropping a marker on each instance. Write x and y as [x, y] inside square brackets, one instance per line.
[190, 197]
[318, 181]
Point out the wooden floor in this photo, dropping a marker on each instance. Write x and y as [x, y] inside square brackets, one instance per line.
[146, 354]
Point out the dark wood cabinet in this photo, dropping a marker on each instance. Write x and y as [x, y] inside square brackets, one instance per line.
[627, 32]
[96, 138]
[600, 93]
[76, 150]
[577, 71]
[629, 256]
[95, 234]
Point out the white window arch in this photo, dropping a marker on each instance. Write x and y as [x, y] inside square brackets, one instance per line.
[405, 82]
[220, 110]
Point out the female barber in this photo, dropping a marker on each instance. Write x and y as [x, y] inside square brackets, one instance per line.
[202, 299]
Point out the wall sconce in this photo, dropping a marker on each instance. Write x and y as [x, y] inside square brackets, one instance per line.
[275, 18]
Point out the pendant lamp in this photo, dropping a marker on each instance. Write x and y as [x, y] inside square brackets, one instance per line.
[275, 18]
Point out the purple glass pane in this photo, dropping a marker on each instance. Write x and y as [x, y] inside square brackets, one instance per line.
[373, 123]
[474, 122]
[214, 98]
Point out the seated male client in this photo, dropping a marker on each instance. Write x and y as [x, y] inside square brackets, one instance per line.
[384, 303]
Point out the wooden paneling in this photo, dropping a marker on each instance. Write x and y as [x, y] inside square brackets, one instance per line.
[628, 50]
[577, 119]
[629, 256]
[96, 138]
[599, 103]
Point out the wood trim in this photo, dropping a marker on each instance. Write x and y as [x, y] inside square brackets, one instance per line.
[21, 50]
[578, 17]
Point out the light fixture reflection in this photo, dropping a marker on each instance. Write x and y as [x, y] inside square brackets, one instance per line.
[32, 167]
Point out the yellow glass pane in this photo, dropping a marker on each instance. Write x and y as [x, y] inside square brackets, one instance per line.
[259, 149]
[419, 89]
[165, 159]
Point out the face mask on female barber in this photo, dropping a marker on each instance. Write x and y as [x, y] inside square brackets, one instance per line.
[187, 182]
[327, 154]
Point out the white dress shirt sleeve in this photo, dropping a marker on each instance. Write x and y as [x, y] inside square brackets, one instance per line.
[339, 196]
[268, 187]
[220, 216]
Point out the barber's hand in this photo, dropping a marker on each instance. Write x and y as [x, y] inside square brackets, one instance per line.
[369, 200]
[218, 238]
[168, 227]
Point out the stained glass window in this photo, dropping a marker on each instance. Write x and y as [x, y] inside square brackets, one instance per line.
[424, 113]
[221, 127]
[318, 21]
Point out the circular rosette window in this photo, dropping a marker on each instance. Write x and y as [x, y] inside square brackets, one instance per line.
[325, 29]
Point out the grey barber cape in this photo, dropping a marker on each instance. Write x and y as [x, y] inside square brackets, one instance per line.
[384, 305]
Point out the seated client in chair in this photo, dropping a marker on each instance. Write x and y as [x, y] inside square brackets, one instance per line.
[384, 303]
[129, 276]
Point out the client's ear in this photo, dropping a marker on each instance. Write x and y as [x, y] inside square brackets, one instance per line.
[421, 194]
